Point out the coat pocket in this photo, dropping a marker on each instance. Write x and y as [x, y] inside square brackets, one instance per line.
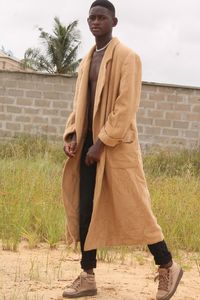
[123, 156]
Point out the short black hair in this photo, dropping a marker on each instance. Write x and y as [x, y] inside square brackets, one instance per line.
[104, 3]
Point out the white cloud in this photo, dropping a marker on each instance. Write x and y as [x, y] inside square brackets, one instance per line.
[165, 33]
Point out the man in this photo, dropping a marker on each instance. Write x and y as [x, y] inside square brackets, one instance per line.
[104, 188]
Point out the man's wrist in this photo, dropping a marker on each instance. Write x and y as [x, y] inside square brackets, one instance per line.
[100, 143]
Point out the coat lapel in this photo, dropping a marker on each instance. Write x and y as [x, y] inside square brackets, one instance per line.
[82, 96]
[102, 73]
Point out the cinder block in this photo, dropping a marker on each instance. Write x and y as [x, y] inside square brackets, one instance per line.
[51, 95]
[61, 130]
[147, 104]
[195, 125]
[15, 92]
[64, 113]
[182, 107]
[149, 88]
[155, 114]
[157, 97]
[141, 112]
[10, 83]
[32, 110]
[192, 117]
[178, 141]
[5, 117]
[58, 121]
[2, 107]
[180, 124]
[169, 132]
[2, 91]
[152, 130]
[38, 119]
[33, 94]
[13, 126]
[23, 119]
[31, 128]
[144, 95]
[49, 129]
[5, 133]
[173, 115]
[7, 100]
[163, 123]
[26, 85]
[165, 105]
[66, 96]
[144, 121]
[193, 144]
[166, 90]
[196, 108]
[175, 98]
[50, 112]
[14, 109]
[44, 87]
[140, 129]
[60, 104]
[42, 103]
[24, 101]
[191, 134]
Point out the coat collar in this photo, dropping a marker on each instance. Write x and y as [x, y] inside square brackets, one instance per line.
[108, 53]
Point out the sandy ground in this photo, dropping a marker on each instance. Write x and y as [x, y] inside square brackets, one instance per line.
[42, 274]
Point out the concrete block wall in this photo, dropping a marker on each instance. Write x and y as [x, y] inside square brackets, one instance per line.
[34, 103]
[169, 115]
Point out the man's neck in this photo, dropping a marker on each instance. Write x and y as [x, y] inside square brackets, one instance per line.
[102, 42]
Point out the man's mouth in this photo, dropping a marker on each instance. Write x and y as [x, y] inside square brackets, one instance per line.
[95, 28]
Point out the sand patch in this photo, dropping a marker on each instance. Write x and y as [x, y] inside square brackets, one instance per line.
[42, 274]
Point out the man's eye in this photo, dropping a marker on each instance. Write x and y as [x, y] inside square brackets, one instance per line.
[92, 18]
[101, 18]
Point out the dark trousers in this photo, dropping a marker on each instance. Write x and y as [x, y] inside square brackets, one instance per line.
[159, 250]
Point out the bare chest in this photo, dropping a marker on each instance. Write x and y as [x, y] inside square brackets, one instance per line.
[95, 66]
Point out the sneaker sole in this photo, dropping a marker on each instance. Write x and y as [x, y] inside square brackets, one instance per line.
[81, 294]
[168, 297]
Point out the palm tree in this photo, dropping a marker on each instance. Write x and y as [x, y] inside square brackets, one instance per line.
[60, 50]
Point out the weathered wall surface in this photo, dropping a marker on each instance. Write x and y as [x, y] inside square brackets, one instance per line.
[169, 115]
[34, 103]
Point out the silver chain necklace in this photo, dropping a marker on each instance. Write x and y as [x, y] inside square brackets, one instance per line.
[98, 50]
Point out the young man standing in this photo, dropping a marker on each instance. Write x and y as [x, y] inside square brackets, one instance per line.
[105, 193]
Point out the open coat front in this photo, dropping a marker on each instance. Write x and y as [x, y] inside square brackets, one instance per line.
[121, 210]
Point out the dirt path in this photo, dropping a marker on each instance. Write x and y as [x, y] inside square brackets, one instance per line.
[42, 274]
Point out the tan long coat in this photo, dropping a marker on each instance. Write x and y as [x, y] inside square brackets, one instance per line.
[121, 211]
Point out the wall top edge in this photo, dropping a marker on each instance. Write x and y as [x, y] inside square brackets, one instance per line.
[172, 85]
[37, 73]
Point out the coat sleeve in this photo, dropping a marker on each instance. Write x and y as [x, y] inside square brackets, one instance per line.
[126, 104]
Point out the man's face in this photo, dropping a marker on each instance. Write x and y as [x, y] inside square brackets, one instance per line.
[101, 21]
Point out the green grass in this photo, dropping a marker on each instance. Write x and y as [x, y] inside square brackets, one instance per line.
[31, 207]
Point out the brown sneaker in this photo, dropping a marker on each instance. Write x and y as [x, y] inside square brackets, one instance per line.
[169, 279]
[84, 285]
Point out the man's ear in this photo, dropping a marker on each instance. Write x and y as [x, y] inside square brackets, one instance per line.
[115, 21]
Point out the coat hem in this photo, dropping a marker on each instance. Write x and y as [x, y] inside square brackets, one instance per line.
[125, 243]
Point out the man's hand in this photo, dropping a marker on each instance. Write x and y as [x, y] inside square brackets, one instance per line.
[94, 153]
[70, 147]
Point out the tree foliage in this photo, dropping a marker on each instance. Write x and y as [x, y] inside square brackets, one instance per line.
[6, 52]
[59, 53]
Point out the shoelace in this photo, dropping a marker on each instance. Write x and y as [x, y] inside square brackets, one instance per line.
[163, 277]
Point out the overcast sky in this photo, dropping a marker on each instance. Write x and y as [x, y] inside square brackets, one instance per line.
[165, 33]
